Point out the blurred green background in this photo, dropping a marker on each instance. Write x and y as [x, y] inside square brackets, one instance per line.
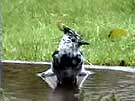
[30, 29]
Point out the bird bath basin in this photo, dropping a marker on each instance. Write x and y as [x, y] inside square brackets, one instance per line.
[22, 84]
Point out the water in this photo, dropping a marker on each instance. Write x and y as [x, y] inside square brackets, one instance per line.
[22, 84]
[106, 83]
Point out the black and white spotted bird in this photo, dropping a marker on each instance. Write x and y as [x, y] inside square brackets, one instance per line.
[68, 59]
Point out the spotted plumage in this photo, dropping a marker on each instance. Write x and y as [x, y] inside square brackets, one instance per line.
[68, 59]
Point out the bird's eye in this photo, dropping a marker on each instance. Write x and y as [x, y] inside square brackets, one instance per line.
[73, 40]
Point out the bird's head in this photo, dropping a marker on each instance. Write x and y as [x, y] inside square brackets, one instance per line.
[71, 38]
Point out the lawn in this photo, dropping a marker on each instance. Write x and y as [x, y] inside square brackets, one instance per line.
[30, 29]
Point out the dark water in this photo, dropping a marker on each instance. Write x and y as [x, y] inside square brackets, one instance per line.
[22, 84]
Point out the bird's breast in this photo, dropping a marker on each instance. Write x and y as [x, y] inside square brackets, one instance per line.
[70, 60]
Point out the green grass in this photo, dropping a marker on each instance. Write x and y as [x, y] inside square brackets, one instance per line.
[2, 95]
[30, 29]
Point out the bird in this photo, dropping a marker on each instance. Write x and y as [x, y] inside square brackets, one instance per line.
[68, 59]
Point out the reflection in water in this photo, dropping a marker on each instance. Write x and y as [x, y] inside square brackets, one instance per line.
[22, 84]
[67, 93]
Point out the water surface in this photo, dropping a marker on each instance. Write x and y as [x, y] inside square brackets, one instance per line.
[22, 84]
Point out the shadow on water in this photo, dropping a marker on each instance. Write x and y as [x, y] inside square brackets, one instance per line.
[22, 84]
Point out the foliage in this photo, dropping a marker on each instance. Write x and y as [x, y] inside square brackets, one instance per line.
[2, 96]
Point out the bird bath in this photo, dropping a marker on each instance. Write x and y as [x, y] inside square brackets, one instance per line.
[22, 84]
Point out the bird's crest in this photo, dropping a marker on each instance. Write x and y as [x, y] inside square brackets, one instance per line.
[71, 39]
[68, 30]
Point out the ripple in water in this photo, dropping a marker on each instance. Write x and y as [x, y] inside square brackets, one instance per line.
[22, 84]
[105, 84]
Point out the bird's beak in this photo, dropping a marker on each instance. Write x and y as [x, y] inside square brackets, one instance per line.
[82, 42]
